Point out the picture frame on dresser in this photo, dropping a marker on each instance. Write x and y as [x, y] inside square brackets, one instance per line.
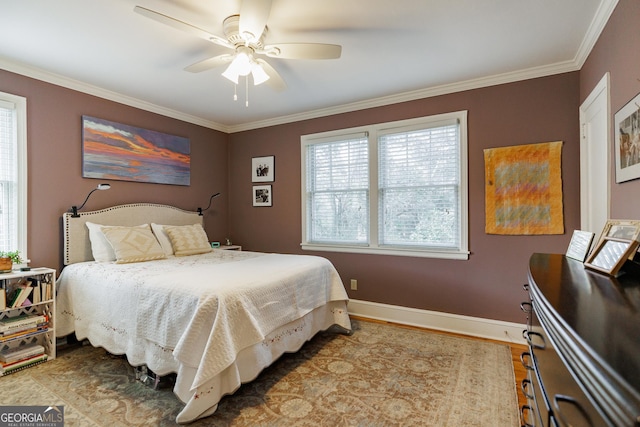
[610, 255]
[621, 229]
[580, 244]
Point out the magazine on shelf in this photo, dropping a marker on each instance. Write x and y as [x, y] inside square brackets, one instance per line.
[12, 355]
[24, 334]
[15, 324]
[13, 367]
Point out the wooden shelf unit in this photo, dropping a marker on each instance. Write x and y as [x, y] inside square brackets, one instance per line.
[43, 336]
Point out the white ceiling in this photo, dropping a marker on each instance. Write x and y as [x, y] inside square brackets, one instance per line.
[391, 51]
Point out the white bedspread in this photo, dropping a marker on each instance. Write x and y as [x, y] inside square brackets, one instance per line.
[197, 312]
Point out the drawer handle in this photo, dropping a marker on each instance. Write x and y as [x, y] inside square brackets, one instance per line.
[526, 287]
[528, 335]
[524, 385]
[559, 398]
[526, 365]
[526, 412]
[526, 307]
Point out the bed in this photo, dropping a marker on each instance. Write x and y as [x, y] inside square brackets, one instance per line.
[215, 318]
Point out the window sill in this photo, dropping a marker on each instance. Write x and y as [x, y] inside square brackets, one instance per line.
[387, 251]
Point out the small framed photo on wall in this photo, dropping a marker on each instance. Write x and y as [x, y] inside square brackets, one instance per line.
[627, 141]
[262, 195]
[263, 169]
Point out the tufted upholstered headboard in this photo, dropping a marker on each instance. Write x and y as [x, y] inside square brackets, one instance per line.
[77, 247]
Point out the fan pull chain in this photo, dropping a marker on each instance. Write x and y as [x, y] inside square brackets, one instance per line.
[235, 92]
[246, 90]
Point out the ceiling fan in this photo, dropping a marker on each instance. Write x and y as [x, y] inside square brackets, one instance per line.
[245, 34]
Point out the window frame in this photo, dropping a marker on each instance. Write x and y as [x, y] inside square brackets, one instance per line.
[372, 132]
[19, 105]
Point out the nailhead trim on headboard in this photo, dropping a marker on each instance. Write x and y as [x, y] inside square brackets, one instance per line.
[77, 247]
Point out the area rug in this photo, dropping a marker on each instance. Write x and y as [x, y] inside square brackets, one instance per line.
[381, 375]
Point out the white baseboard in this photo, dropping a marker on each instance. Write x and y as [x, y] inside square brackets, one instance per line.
[466, 325]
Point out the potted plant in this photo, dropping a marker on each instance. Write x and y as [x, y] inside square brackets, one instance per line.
[8, 258]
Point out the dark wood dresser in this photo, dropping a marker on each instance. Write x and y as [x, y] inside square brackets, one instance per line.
[583, 360]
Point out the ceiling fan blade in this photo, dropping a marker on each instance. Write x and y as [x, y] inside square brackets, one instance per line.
[303, 51]
[253, 18]
[275, 81]
[182, 26]
[210, 63]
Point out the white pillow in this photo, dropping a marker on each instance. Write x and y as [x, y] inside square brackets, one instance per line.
[100, 247]
[133, 244]
[188, 239]
[163, 238]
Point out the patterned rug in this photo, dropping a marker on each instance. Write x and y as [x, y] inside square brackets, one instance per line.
[381, 375]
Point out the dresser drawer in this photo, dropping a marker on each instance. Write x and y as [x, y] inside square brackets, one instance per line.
[535, 413]
[583, 333]
[565, 401]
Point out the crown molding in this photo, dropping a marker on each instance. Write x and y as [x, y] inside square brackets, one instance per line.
[596, 26]
[531, 73]
[598, 23]
[69, 83]
[479, 83]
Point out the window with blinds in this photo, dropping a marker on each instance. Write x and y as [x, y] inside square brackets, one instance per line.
[419, 178]
[13, 184]
[396, 188]
[337, 196]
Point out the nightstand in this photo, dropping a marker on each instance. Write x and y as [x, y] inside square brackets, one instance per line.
[230, 247]
[27, 323]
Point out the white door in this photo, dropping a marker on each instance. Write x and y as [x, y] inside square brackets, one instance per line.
[595, 149]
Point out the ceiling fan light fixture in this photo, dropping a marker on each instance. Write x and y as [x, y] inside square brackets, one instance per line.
[240, 66]
[229, 74]
[259, 74]
[246, 36]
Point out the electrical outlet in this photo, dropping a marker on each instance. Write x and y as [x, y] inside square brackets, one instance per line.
[354, 285]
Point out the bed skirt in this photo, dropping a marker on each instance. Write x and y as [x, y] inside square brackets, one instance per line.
[203, 401]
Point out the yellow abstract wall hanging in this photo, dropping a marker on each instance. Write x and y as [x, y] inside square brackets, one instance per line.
[523, 189]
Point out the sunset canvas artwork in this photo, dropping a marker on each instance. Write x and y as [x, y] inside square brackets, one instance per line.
[121, 152]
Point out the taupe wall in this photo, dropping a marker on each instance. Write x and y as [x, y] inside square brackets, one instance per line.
[489, 284]
[618, 52]
[55, 180]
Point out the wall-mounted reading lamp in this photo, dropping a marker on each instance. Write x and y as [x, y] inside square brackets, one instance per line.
[75, 209]
[200, 210]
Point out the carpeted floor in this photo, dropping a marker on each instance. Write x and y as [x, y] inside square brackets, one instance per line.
[382, 375]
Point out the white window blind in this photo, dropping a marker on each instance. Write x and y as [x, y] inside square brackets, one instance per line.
[419, 178]
[8, 178]
[396, 188]
[337, 191]
[13, 176]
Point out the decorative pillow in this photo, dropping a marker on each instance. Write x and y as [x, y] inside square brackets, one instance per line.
[133, 244]
[188, 239]
[100, 247]
[163, 238]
